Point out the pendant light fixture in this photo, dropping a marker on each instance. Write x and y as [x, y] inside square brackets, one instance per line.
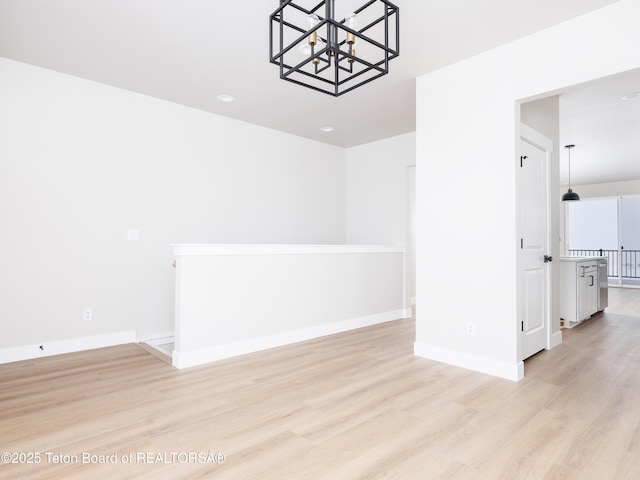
[570, 195]
[317, 49]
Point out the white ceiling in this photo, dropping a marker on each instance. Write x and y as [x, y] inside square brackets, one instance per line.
[189, 51]
[604, 128]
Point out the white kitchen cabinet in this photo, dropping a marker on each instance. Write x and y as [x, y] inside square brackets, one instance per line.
[578, 289]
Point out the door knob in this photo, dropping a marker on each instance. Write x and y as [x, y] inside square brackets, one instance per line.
[548, 259]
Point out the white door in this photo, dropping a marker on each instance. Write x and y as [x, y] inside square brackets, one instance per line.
[533, 215]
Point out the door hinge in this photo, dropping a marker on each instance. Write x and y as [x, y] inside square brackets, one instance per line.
[522, 325]
[522, 157]
[521, 243]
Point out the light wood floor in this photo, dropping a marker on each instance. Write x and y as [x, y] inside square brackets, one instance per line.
[357, 405]
[624, 301]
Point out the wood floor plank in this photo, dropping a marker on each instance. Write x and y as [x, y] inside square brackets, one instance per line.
[597, 450]
[634, 445]
[561, 472]
[357, 405]
[628, 468]
[532, 451]
[497, 427]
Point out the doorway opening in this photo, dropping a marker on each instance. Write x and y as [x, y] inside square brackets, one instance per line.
[607, 227]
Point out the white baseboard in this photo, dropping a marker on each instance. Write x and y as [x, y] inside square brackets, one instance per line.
[154, 342]
[510, 371]
[46, 349]
[192, 358]
[556, 339]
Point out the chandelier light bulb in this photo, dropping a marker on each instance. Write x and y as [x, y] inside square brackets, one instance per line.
[313, 37]
[313, 20]
[313, 42]
[352, 22]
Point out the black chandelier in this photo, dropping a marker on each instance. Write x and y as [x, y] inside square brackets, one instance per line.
[315, 49]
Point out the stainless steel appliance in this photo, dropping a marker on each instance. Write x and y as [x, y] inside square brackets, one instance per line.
[603, 283]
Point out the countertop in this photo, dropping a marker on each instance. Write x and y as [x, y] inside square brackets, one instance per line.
[580, 259]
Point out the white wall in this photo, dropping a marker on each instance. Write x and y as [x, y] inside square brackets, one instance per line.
[81, 163]
[377, 190]
[612, 189]
[235, 299]
[378, 184]
[467, 130]
[543, 115]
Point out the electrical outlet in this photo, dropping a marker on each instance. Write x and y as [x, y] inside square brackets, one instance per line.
[87, 314]
[471, 328]
[133, 234]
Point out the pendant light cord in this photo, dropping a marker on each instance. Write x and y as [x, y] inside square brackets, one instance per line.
[569, 147]
[569, 168]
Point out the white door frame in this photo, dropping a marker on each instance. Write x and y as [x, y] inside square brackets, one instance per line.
[410, 243]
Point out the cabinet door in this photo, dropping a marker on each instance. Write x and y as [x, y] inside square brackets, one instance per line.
[584, 300]
[587, 294]
[593, 292]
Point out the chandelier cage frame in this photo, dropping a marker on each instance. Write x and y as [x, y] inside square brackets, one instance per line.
[334, 68]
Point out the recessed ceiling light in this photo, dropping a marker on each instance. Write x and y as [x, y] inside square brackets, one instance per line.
[631, 96]
[327, 129]
[225, 98]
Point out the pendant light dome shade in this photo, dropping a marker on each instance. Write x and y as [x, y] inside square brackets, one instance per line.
[570, 196]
